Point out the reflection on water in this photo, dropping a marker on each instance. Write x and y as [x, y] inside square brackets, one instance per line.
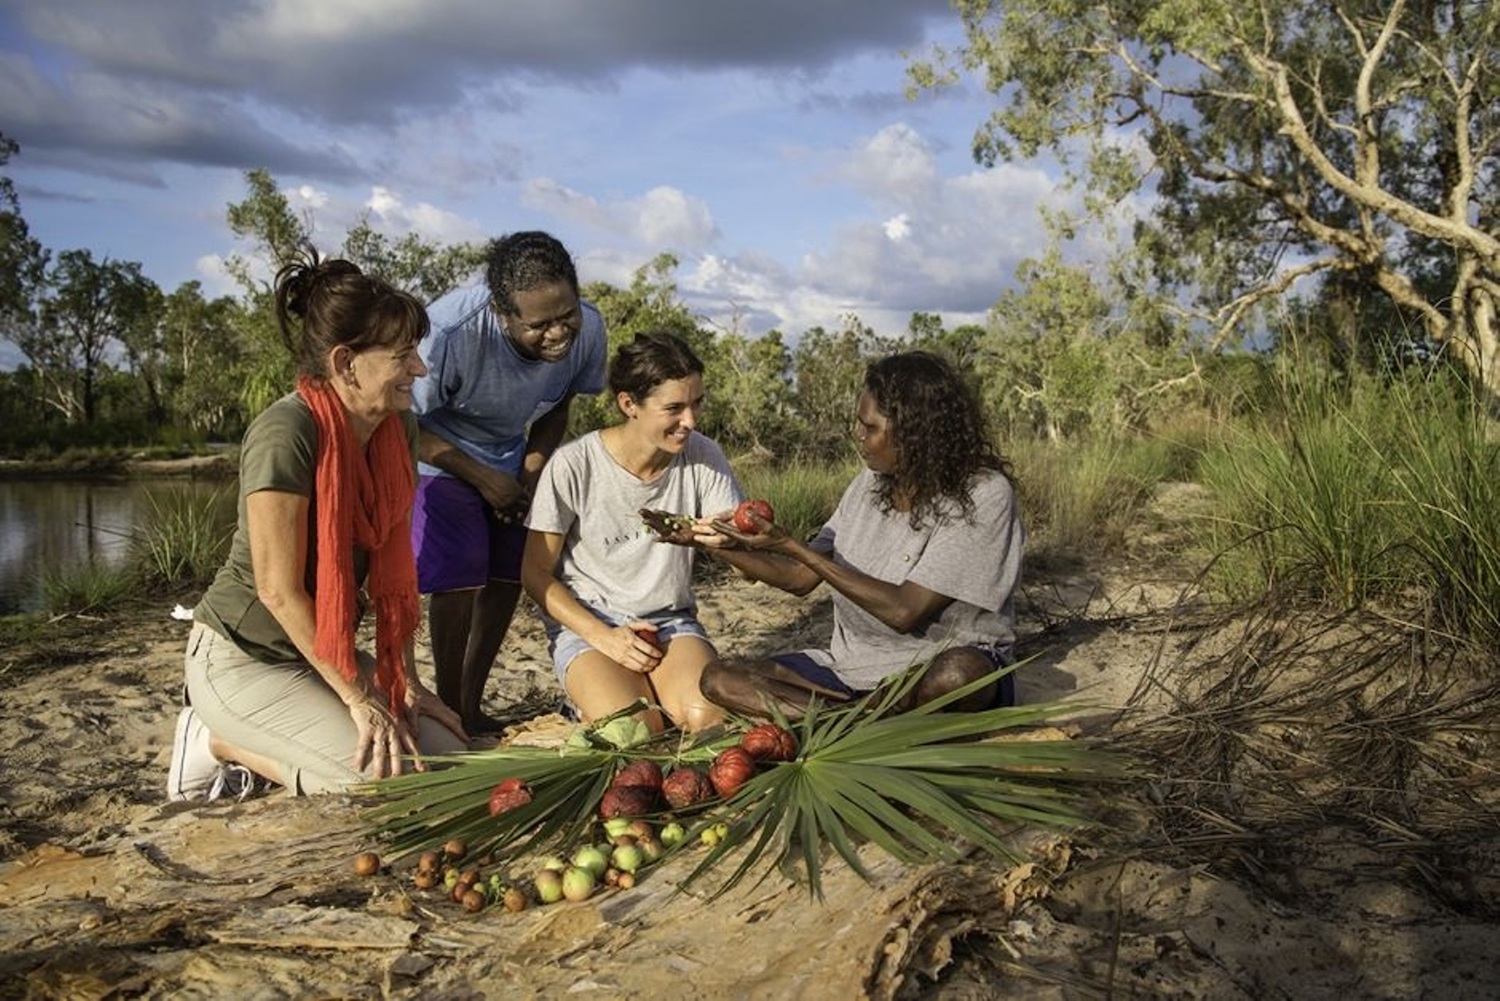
[59, 524]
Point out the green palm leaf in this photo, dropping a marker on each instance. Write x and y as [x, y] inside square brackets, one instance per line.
[921, 785]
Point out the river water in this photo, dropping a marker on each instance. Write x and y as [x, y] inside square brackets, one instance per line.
[54, 524]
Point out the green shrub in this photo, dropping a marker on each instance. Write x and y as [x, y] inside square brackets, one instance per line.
[85, 588]
[183, 538]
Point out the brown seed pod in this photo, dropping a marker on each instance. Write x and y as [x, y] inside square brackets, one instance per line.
[429, 862]
[367, 863]
[514, 899]
[640, 772]
[685, 787]
[473, 900]
[455, 850]
[425, 879]
[627, 801]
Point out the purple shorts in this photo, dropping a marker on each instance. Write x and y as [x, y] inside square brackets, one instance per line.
[458, 540]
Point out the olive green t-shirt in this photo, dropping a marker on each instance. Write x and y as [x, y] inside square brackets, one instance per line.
[279, 452]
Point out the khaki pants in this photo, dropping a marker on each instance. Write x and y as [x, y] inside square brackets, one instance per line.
[285, 712]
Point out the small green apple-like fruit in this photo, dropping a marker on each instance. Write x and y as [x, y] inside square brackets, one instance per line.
[627, 858]
[616, 826]
[672, 833]
[578, 883]
[651, 849]
[591, 858]
[549, 887]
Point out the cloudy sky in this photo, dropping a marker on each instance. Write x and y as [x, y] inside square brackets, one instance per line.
[769, 145]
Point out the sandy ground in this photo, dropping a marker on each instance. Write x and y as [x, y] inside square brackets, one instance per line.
[106, 890]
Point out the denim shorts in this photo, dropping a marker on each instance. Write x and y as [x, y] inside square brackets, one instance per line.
[458, 540]
[565, 645]
[816, 666]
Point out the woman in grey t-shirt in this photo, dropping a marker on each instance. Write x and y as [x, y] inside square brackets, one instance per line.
[923, 555]
[618, 604]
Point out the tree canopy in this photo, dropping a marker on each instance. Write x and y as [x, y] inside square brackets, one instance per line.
[1349, 140]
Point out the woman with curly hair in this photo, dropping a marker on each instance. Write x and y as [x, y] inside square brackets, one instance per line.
[923, 555]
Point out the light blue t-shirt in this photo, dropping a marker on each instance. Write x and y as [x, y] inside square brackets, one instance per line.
[481, 394]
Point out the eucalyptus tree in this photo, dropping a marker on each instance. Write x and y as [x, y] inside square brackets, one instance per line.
[23, 261]
[86, 310]
[1347, 140]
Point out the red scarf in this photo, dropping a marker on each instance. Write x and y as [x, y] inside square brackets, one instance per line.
[365, 501]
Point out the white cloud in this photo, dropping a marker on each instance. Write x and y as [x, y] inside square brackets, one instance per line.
[898, 227]
[664, 218]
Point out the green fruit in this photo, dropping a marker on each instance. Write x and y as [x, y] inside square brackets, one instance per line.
[592, 859]
[549, 886]
[616, 826]
[578, 883]
[627, 858]
[554, 862]
[625, 731]
[672, 833]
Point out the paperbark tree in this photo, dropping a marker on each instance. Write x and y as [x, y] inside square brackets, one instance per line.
[1353, 140]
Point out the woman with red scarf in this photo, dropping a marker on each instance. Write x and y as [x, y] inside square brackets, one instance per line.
[276, 686]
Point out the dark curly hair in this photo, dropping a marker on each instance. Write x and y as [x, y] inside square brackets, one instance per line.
[523, 261]
[940, 431]
[322, 304]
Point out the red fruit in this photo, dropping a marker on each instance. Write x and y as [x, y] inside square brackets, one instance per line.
[509, 794]
[640, 772]
[684, 787]
[730, 770]
[769, 742]
[649, 635]
[743, 520]
[627, 801]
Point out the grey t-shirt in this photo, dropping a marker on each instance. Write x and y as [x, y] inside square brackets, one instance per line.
[610, 559]
[974, 561]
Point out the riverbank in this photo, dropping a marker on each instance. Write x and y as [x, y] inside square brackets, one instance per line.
[108, 890]
[218, 465]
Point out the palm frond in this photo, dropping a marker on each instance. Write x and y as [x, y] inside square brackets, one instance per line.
[922, 785]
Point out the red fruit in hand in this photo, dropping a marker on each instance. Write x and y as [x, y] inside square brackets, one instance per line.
[748, 511]
[649, 635]
[769, 742]
[730, 770]
[685, 787]
[509, 794]
[641, 772]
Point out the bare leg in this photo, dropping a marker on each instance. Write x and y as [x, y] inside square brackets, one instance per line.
[949, 671]
[598, 686]
[676, 684]
[449, 616]
[752, 687]
[493, 608]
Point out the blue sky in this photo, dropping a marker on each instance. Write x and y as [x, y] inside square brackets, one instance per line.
[768, 145]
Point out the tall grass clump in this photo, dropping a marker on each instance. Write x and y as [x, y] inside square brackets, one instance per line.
[1447, 485]
[1081, 498]
[1363, 491]
[183, 538]
[85, 588]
